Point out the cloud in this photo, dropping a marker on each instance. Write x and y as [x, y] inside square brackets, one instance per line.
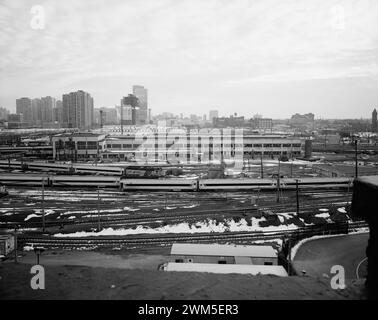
[90, 44]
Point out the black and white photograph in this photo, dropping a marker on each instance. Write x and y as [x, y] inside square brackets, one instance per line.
[200, 152]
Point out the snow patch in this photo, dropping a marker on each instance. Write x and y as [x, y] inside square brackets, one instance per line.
[207, 226]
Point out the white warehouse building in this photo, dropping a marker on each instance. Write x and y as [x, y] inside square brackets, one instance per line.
[223, 254]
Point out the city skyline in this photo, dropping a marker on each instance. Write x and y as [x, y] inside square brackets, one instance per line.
[268, 57]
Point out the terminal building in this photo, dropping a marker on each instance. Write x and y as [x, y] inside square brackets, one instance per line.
[180, 146]
[200, 147]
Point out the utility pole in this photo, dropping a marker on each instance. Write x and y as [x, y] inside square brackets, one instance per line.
[356, 155]
[101, 114]
[121, 118]
[291, 169]
[98, 210]
[278, 180]
[297, 192]
[289, 258]
[15, 242]
[262, 167]
[43, 204]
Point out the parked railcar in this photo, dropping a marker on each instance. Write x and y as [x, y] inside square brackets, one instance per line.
[24, 180]
[290, 183]
[114, 171]
[85, 181]
[5, 164]
[236, 184]
[49, 167]
[159, 184]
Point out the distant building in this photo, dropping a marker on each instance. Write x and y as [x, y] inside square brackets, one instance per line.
[24, 107]
[374, 121]
[78, 110]
[232, 121]
[48, 105]
[109, 116]
[16, 121]
[3, 113]
[128, 110]
[213, 114]
[142, 112]
[302, 119]
[58, 112]
[42, 111]
[262, 123]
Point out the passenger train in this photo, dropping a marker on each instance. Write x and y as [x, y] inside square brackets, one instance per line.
[174, 184]
[83, 169]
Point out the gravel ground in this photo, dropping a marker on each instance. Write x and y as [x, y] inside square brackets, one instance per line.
[76, 282]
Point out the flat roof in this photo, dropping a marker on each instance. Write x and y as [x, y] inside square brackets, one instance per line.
[227, 268]
[79, 134]
[222, 250]
[371, 180]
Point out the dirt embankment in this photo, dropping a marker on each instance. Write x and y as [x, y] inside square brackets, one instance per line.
[78, 282]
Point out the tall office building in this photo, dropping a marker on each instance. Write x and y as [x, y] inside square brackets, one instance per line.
[213, 114]
[58, 112]
[24, 106]
[42, 111]
[142, 113]
[374, 121]
[128, 110]
[78, 110]
[48, 105]
[36, 111]
[3, 113]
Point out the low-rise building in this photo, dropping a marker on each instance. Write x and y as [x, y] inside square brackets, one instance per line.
[6, 244]
[78, 146]
[223, 254]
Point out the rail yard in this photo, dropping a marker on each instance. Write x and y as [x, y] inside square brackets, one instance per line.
[65, 206]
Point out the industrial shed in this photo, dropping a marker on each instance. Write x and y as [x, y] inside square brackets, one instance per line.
[6, 244]
[227, 269]
[223, 254]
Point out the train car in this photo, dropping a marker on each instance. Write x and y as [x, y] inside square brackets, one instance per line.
[140, 172]
[24, 180]
[159, 184]
[236, 184]
[85, 181]
[5, 164]
[290, 183]
[90, 169]
[48, 167]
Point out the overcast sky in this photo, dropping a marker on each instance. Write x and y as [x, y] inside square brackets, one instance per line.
[272, 57]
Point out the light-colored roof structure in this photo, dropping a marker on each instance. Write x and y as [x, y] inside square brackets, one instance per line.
[196, 249]
[372, 180]
[227, 268]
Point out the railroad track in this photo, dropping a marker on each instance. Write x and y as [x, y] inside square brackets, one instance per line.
[167, 239]
[307, 206]
[186, 216]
